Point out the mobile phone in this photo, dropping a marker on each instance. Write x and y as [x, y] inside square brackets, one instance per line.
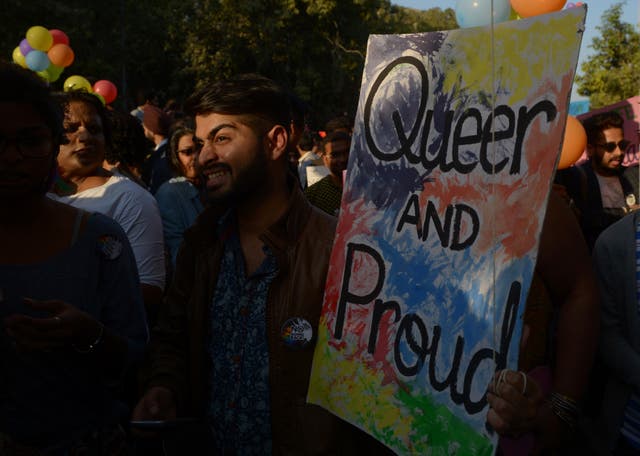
[161, 424]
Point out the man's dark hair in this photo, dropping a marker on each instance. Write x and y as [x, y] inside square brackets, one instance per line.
[261, 101]
[306, 141]
[335, 136]
[81, 96]
[340, 123]
[19, 85]
[129, 146]
[596, 124]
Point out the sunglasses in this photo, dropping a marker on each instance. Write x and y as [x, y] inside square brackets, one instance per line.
[611, 146]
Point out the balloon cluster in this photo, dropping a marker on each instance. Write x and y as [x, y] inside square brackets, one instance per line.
[105, 90]
[47, 52]
[476, 13]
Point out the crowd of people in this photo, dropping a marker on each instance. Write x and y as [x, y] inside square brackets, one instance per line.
[151, 263]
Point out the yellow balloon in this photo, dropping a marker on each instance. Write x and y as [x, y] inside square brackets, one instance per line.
[39, 38]
[19, 58]
[76, 82]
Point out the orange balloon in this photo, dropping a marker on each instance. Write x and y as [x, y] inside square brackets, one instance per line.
[61, 55]
[528, 8]
[574, 143]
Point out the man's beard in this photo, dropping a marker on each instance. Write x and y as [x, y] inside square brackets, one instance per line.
[249, 182]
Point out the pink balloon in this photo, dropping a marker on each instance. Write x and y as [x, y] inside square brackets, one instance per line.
[106, 89]
[59, 37]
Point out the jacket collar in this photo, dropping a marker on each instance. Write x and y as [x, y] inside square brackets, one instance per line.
[282, 234]
[286, 230]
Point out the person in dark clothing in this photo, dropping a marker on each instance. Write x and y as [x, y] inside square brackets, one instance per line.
[156, 170]
[599, 189]
[235, 339]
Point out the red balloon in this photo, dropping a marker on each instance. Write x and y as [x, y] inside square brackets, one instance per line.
[59, 37]
[107, 89]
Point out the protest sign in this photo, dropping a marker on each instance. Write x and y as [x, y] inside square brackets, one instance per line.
[456, 140]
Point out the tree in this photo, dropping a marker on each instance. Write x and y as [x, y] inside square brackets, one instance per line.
[611, 74]
[315, 48]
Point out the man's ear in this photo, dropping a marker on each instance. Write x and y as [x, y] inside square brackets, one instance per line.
[276, 141]
[590, 150]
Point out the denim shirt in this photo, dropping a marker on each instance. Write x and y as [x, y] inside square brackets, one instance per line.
[179, 204]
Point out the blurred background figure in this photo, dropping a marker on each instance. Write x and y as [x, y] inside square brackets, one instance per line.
[339, 123]
[156, 169]
[616, 257]
[173, 109]
[308, 148]
[129, 147]
[143, 97]
[72, 322]
[179, 199]
[326, 194]
[85, 184]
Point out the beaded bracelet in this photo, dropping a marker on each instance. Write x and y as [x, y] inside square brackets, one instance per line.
[565, 408]
[92, 345]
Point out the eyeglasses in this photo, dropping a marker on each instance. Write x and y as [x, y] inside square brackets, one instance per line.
[189, 151]
[32, 145]
[611, 146]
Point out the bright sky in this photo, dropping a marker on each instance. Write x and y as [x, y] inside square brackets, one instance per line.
[596, 8]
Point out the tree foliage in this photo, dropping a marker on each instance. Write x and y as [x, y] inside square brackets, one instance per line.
[315, 48]
[611, 74]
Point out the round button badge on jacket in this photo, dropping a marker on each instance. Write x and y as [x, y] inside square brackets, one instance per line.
[296, 332]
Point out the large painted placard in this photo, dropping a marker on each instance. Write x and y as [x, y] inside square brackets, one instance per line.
[450, 169]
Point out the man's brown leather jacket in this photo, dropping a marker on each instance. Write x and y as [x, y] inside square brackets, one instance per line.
[301, 241]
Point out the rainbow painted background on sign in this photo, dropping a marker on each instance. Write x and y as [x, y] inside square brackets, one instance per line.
[438, 207]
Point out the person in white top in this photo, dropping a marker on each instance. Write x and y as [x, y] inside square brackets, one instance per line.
[85, 184]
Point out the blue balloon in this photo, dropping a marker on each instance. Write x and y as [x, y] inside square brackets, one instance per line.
[37, 60]
[477, 13]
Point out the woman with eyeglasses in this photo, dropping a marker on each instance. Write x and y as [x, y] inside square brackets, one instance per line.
[179, 199]
[72, 321]
[83, 182]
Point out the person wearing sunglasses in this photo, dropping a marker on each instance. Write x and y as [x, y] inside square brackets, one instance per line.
[600, 190]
